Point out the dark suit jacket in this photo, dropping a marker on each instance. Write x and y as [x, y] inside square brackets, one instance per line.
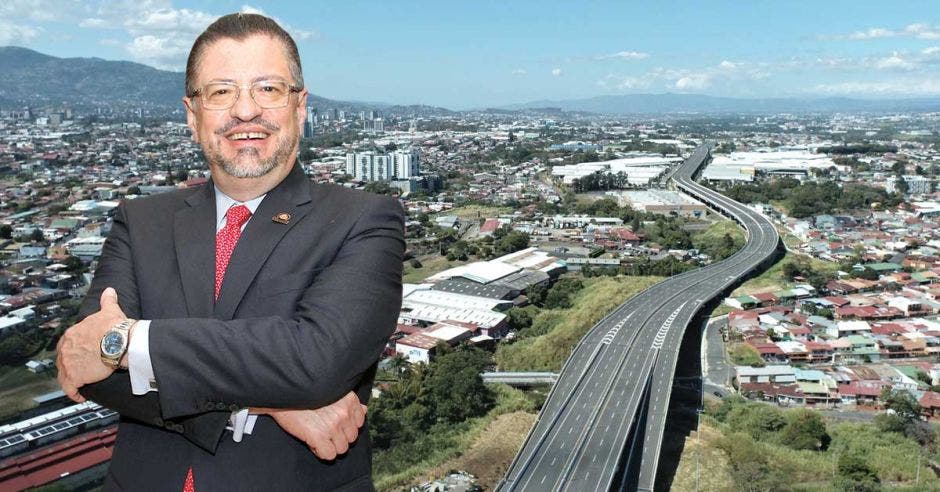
[304, 313]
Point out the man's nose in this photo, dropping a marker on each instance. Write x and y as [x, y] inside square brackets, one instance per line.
[245, 107]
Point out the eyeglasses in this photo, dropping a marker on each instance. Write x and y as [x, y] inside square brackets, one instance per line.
[268, 94]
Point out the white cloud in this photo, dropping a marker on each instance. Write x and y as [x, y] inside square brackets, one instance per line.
[922, 31]
[248, 9]
[557, 72]
[37, 10]
[165, 53]
[917, 30]
[11, 33]
[693, 82]
[624, 55]
[894, 62]
[94, 22]
[895, 87]
[172, 20]
[727, 65]
[519, 71]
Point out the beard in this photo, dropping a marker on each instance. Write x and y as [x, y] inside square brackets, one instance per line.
[247, 163]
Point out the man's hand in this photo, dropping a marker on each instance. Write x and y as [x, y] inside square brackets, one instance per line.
[79, 350]
[327, 431]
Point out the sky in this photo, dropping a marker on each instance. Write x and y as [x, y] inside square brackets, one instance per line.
[475, 54]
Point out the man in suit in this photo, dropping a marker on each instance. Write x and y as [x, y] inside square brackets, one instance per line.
[250, 312]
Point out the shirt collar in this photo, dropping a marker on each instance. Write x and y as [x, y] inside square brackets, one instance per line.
[224, 202]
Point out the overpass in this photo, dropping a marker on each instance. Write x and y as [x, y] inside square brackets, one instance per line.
[520, 378]
[602, 425]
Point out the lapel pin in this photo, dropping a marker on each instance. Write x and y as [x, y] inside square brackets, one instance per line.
[281, 218]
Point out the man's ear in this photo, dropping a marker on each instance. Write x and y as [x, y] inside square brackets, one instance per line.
[191, 118]
[301, 108]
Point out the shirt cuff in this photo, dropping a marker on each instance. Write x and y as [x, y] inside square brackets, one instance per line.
[241, 423]
[139, 366]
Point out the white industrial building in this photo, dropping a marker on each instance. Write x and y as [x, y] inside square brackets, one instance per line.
[640, 171]
[743, 166]
[661, 202]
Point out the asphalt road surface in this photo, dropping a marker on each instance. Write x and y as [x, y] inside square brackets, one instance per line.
[601, 427]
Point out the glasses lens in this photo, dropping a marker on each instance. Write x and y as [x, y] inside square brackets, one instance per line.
[220, 95]
[270, 93]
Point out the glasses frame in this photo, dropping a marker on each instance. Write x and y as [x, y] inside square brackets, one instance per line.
[201, 92]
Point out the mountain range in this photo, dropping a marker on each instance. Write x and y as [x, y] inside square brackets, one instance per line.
[30, 77]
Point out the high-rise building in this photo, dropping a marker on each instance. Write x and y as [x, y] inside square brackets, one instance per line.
[406, 163]
[370, 166]
[378, 125]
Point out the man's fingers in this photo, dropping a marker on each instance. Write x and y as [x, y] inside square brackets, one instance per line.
[363, 410]
[350, 431]
[340, 445]
[109, 300]
[324, 449]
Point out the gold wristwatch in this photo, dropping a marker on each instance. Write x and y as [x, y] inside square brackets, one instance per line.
[114, 343]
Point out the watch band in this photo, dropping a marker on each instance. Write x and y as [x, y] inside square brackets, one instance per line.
[124, 329]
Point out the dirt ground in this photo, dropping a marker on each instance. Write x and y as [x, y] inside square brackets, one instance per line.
[491, 453]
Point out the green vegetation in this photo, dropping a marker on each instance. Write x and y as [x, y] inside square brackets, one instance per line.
[743, 354]
[763, 447]
[810, 198]
[555, 332]
[858, 148]
[407, 461]
[777, 278]
[721, 240]
[428, 407]
[427, 266]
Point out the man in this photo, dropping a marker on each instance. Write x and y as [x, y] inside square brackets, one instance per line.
[259, 291]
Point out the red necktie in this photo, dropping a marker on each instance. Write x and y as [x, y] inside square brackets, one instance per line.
[188, 486]
[225, 241]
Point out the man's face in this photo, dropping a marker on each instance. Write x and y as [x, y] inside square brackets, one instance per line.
[273, 134]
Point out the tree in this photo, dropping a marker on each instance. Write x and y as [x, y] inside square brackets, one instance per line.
[854, 473]
[805, 429]
[454, 389]
[559, 296]
[520, 318]
[74, 264]
[37, 236]
[902, 403]
[510, 243]
[6, 231]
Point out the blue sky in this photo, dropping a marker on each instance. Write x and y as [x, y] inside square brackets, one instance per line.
[487, 53]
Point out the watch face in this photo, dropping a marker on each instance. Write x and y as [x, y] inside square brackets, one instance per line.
[112, 344]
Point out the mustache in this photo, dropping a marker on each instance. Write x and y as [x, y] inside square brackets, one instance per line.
[233, 124]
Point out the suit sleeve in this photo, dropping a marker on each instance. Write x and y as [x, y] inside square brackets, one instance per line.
[311, 359]
[116, 269]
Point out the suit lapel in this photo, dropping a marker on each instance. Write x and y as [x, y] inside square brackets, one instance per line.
[260, 237]
[194, 237]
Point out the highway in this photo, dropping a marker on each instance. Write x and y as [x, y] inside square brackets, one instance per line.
[601, 427]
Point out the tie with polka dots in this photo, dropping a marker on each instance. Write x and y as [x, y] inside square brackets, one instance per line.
[225, 241]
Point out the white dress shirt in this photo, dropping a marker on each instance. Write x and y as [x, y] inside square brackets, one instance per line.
[139, 365]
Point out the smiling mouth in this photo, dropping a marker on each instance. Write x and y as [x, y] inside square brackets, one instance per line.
[248, 136]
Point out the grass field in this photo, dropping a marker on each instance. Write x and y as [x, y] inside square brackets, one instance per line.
[18, 386]
[548, 352]
[430, 265]
[705, 466]
[476, 212]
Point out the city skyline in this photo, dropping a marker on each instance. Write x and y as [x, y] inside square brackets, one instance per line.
[487, 54]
